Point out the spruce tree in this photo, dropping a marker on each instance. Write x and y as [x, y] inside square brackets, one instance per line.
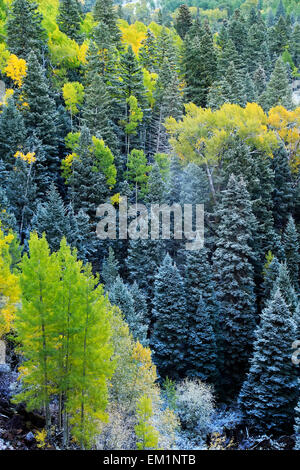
[271, 273]
[287, 290]
[155, 186]
[148, 52]
[232, 87]
[235, 286]
[12, 133]
[110, 269]
[141, 309]
[104, 12]
[169, 334]
[69, 18]
[97, 110]
[291, 246]
[201, 348]
[40, 115]
[183, 21]
[270, 392]
[259, 80]
[121, 296]
[199, 61]
[25, 33]
[278, 91]
[283, 187]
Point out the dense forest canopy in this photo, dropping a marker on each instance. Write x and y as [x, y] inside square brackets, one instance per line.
[132, 342]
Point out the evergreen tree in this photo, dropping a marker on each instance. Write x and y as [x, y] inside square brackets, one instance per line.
[194, 187]
[283, 188]
[121, 296]
[237, 32]
[25, 33]
[291, 249]
[271, 273]
[287, 290]
[295, 45]
[199, 61]
[110, 269]
[40, 115]
[155, 186]
[280, 10]
[12, 133]
[234, 279]
[97, 111]
[183, 21]
[148, 52]
[169, 335]
[232, 87]
[259, 80]
[104, 12]
[269, 394]
[201, 348]
[69, 18]
[141, 309]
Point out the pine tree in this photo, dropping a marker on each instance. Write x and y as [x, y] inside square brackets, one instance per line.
[169, 334]
[69, 18]
[183, 21]
[291, 249]
[25, 33]
[269, 394]
[283, 188]
[40, 115]
[234, 279]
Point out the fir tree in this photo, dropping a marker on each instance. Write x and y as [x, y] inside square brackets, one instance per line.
[199, 61]
[201, 348]
[110, 269]
[235, 287]
[148, 52]
[40, 115]
[12, 133]
[169, 335]
[287, 290]
[269, 394]
[141, 310]
[283, 188]
[271, 273]
[259, 80]
[104, 12]
[155, 186]
[69, 18]
[25, 33]
[183, 21]
[280, 10]
[291, 249]
[121, 296]
[297, 426]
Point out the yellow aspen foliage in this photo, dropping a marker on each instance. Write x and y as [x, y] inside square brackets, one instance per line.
[4, 56]
[9, 286]
[147, 435]
[73, 93]
[82, 52]
[287, 125]
[201, 134]
[16, 70]
[29, 157]
[8, 93]
[133, 34]
[150, 80]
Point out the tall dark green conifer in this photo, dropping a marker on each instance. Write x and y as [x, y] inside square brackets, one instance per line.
[235, 286]
[270, 392]
[69, 18]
